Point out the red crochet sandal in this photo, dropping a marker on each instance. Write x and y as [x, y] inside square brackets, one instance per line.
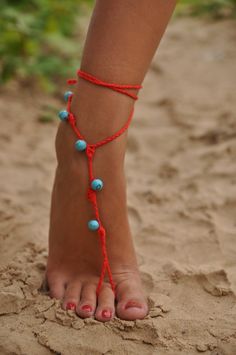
[96, 184]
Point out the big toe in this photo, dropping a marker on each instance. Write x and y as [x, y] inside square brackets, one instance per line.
[132, 303]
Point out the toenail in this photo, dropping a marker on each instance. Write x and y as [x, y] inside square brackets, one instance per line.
[86, 308]
[106, 313]
[133, 304]
[71, 306]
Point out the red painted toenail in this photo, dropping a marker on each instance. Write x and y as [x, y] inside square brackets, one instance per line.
[86, 308]
[71, 306]
[134, 304]
[106, 313]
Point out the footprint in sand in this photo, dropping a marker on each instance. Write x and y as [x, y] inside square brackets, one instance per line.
[215, 283]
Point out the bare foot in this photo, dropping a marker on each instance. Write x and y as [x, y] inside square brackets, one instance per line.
[75, 259]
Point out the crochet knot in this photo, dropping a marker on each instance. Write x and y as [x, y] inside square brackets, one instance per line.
[90, 150]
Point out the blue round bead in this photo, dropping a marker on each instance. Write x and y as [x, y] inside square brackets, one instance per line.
[67, 94]
[93, 225]
[80, 145]
[63, 115]
[97, 184]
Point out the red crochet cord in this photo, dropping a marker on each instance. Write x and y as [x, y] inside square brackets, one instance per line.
[90, 151]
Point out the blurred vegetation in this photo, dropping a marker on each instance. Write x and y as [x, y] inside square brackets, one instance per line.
[215, 9]
[40, 43]
[39, 40]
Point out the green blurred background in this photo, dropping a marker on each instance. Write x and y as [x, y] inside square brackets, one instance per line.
[40, 39]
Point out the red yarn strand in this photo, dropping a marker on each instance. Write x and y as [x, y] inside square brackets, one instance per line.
[90, 152]
[116, 87]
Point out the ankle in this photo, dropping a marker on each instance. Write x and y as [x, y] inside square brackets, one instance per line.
[99, 112]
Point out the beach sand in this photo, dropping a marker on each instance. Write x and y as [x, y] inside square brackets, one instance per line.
[181, 172]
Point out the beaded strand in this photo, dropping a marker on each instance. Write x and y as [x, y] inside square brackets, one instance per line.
[81, 145]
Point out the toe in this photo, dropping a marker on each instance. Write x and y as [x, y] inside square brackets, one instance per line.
[88, 300]
[132, 303]
[56, 287]
[44, 287]
[105, 309]
[72, 295]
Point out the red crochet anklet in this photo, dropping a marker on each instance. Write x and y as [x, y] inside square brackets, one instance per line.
[96, 184]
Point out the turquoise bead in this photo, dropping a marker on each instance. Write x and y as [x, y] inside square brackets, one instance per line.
[97, 184]
[67, 94]
[93, 225]
[80, 145]
[63, 115]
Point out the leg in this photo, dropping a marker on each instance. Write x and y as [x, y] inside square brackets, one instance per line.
[121, 41]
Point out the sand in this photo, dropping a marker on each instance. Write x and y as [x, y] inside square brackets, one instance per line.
[181, 172]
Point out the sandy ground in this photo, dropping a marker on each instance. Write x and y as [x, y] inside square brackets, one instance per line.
[181, 171]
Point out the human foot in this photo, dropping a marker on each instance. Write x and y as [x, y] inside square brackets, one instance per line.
[75, 259]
